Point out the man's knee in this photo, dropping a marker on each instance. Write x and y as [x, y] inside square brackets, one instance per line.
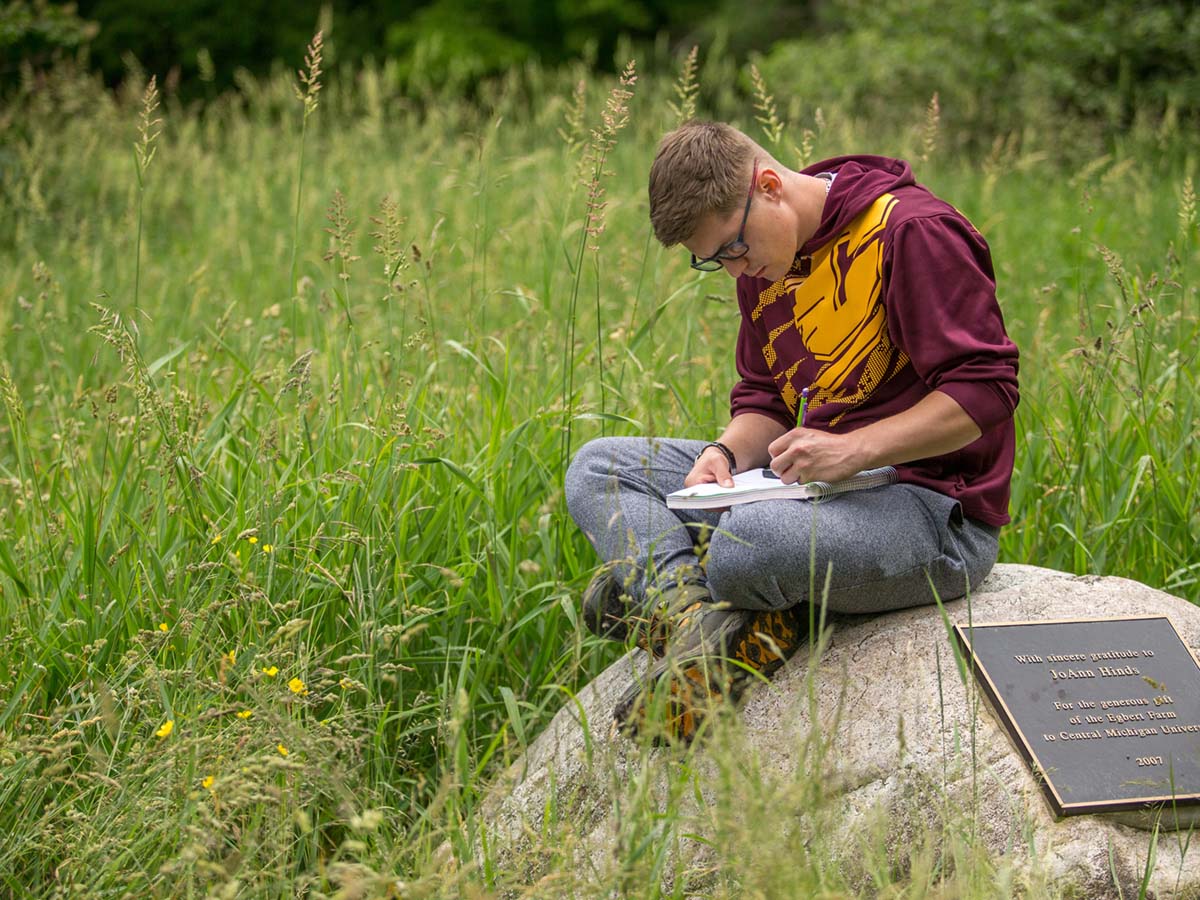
[747, 566]
[591, 468]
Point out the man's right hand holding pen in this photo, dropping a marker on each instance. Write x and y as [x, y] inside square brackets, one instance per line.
[934, 426]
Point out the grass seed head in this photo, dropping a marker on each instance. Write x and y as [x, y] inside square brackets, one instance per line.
[604, 139]
[686, 89]
[149, 127]
[310, 77]
[1187, 206]
[572, 132]
[929, 137]
[767, 115]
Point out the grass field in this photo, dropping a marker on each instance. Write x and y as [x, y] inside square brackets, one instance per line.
[288, 394]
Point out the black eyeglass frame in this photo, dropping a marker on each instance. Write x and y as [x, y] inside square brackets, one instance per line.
[735, 249]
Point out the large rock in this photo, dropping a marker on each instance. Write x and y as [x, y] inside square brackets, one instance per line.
[884, 730]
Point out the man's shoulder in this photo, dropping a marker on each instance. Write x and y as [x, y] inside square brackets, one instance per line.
[923, 216]
[899, 205]
[914, 201]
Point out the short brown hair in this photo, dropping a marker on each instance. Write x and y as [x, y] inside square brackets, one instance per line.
[700, 169]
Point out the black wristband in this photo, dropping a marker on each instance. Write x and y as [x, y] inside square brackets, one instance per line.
[729, 457]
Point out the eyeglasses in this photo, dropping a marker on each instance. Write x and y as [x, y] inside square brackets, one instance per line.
[735, 249]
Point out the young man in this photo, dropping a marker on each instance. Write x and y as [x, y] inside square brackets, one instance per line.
[863, 288]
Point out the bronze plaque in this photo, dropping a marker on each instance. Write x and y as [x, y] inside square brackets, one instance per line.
[1106, 712]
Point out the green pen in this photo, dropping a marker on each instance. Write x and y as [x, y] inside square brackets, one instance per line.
[803, 406]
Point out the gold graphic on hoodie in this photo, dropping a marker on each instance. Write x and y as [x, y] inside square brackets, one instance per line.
[839, 314]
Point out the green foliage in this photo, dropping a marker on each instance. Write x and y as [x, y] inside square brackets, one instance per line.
[210, 41]
[223, 479]
[37, 33]
[999, 67]
[1081, 68]
[443, 43]
[449, 45]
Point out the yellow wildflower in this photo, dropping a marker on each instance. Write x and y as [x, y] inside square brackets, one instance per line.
[167, 727]
[267, 548]
[245, 714]
[162, 626]
[345, 684]
[283, 751]
[207, 783]
[253, 539]
[216, 539]
[271, 672]
[296, 686]
[230, 657]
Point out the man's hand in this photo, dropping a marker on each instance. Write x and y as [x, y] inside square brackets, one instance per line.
[935, 425]
[711, 468]
[806, 454]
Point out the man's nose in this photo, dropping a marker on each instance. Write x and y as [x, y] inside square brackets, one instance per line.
[735, 267]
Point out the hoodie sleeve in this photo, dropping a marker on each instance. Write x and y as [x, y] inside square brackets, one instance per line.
[756, 391]
[942, 311]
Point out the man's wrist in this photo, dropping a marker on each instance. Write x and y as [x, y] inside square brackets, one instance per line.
[725, 451]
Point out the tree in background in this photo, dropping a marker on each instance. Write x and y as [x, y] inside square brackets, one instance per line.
[39, 33]
[446, 43]
[997, 65]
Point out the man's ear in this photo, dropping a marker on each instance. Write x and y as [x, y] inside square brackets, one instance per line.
[770, 183]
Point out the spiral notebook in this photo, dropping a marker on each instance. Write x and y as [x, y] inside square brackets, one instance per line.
[763, 484]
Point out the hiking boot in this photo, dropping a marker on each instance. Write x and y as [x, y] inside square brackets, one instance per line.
[713, 656]
[673, 610]
[606, 606]
[610, 613]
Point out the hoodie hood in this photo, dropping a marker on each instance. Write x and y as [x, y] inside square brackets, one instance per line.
[860, 181]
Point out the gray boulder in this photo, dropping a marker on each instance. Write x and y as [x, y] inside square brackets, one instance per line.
[863, 756]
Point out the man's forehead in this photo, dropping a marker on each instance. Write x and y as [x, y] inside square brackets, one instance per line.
[713, 232]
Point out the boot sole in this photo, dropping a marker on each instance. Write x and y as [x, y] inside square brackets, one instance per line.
[759, 648]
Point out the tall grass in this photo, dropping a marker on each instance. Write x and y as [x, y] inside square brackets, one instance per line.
[322, 531]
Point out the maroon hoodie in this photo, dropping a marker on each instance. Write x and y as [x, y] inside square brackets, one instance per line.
[892, 298]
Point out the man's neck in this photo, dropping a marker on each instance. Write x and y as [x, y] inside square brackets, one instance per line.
[808, 205]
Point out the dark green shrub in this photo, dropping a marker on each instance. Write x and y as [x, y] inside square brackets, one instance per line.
[998, 67]
[37, 33]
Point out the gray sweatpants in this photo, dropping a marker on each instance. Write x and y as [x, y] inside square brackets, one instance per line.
[882, 547]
